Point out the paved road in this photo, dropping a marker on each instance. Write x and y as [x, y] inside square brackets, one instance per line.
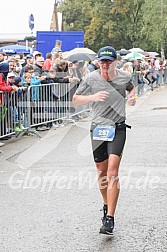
[49, 196]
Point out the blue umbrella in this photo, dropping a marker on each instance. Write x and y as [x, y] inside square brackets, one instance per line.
[12, 49]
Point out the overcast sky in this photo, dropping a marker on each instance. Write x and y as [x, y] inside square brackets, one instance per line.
[15, 14]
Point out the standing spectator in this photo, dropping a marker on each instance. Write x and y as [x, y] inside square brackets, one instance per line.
[127, 67]
[157, 70]
[6, 88]
[62, 69]
[36, 54]
[2, 57]
[55, 60]
[80, 70]
[93, 65]
[18, 64]
[13, 102]
[29, 61]
[42, 75]
[38, 69]
[152, 73]
[48, 62]
[35, 82]
[12, 65]
[10, 78]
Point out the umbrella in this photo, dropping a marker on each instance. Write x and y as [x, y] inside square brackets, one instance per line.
[153, 53]
[134, 56]
[137, 50]
[12, 49]
[123, 52]
[83, 50]
[145, 54]
[81, 56]
[78, 50]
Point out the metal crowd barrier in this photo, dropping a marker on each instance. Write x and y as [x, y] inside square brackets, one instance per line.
[12, 112]
[160, 79]
[25, 111]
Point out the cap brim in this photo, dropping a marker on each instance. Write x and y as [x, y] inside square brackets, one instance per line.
[106, 57]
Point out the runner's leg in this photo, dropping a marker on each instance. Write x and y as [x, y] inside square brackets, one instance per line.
[102, 179]
[113, 183]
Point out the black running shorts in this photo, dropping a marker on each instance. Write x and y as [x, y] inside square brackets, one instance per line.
[102, 149]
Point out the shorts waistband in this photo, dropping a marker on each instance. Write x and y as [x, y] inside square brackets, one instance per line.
[118, 124]
[123, 124]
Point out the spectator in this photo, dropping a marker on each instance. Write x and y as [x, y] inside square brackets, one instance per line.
[62, 69]
[55, 60]
[42, 75]
[80, 69]
[36, 54]
[29, 61]
[6, 88]
[127, 67]
[48, 62]
[35, 82]
[12, 65]
[4, 69]
[93, 65]
[13, 102]
[38, 69]
[2, 57]
[10, 78]
[18, 64]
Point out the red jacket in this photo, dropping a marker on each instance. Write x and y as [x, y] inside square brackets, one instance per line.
[3, 87]
[47, 64]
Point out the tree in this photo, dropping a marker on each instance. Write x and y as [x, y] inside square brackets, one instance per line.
[127, 18]
[76, 16]
[155, 24]
[99, 31]
[120, 23]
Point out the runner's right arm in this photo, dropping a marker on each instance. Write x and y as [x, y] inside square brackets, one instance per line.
[85, 99]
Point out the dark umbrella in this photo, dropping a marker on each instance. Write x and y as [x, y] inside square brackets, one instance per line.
[81, 56]
[123, 52]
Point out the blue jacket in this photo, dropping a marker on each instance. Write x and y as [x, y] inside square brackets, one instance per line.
[35, 89]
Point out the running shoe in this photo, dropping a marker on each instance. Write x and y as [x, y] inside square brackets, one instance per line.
[108, 226]
[105, 213]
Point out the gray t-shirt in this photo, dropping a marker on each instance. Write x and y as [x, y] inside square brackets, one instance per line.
[112, 110]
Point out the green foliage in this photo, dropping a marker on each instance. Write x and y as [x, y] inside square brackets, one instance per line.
[30, 38]
[155, 24]
[120, 23]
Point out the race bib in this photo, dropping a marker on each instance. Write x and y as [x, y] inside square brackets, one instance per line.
[104, 133]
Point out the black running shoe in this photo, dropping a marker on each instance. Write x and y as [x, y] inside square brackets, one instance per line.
[108, 226]
[105, 208]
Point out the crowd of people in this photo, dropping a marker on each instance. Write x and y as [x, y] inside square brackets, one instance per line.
[18, 72]
[149, 72]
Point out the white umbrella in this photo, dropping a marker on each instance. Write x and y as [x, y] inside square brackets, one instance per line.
[153, 53]
[78, 50]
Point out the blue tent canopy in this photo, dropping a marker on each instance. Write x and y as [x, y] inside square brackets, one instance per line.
[13, 49]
